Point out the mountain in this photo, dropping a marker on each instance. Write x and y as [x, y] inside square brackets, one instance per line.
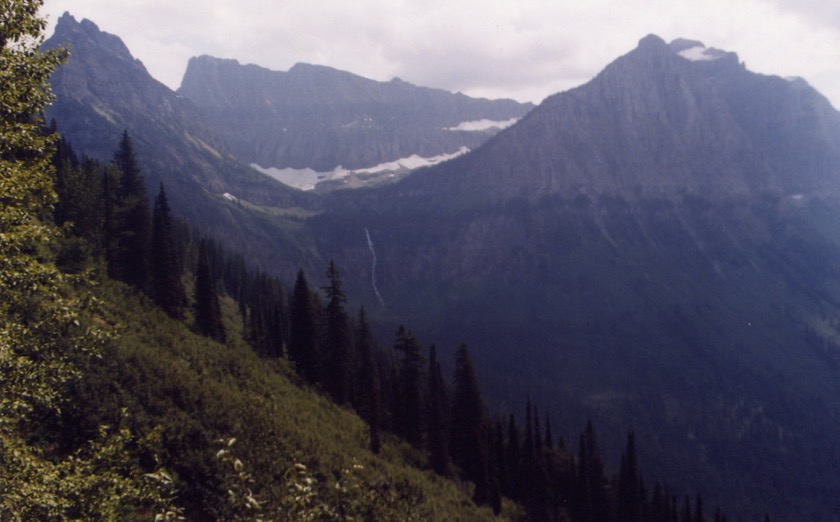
[321, 118]
[656, 250]
[102, 91]
[655, 123]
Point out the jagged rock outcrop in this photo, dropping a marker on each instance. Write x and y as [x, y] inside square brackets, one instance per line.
[321, 118]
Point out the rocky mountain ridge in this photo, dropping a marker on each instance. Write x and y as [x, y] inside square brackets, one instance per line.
[321, 118]
[656, 124]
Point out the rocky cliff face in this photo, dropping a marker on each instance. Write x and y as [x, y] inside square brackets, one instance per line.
[321, 118]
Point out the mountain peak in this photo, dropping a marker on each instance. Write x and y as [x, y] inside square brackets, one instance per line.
[87, 35]
[651, 41]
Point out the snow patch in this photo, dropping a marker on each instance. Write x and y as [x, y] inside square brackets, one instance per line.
[700, 54]
[482, 125]
[307, 179]
[411, 163]
[230, 197]
[303, 179]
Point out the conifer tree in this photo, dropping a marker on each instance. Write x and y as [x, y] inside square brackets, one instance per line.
[133, 220]
[514, 459]
[337, 341]
[409, 413]
[165, 268]
[629, 497]
[110, 227]
[303, 330]
[436, 416]
[467, 425]
[208, 314]
[368, 386]
[499, 460]
[591, 500]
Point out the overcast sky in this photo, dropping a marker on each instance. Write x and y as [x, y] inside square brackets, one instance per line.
[521, 49]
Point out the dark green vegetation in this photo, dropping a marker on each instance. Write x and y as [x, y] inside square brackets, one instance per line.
[230, 424]
[655, 250]
[709, 328]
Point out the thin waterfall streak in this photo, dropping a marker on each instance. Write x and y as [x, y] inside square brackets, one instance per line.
[373, 268]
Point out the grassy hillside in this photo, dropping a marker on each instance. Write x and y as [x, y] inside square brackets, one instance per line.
[185, 397]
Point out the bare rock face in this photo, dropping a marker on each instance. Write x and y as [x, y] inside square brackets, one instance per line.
[321, 118]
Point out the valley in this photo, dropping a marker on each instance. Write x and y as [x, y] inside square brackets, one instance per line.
[657, 250]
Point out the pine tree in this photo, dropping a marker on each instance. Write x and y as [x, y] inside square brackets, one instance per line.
[165, 269]
[514, 460]
[591, 499]
[467, 422]
[132, 218]
[629, 498]
[337, 343]
[368, 384]
[208, 314]
[303, 330]
[409, 414]
[436, 416]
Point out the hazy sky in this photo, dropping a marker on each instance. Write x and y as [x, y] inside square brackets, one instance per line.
[522, 49]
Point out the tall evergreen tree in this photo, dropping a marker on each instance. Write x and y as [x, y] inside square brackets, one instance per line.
[133, 220]
[408, 417]
[303, 330]
[165, 268]
[467, 441]
[208, 314]
[514, 460]
[499, 460]
[629, 497]
[337, 342]
[591, 504]
[436, 416]
[368, 384]
[110, 227]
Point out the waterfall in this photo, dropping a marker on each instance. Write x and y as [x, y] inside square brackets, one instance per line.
[373, 268]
